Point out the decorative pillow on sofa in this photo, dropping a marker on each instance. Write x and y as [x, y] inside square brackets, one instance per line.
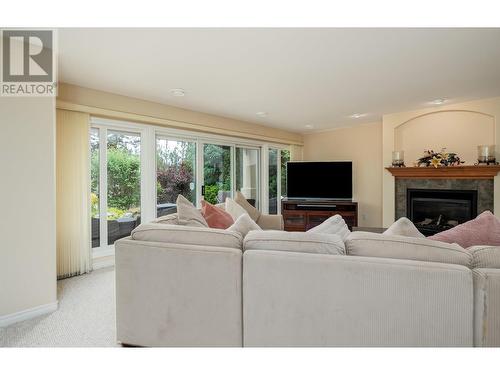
[188, 214]
[333, 225]
[404, 227]
[251, 210]
[234, 209]
[300, 242]
[400, 247]
[483, 230]
[215, 217]
[243, 225]
[167, 219]
[181, 234]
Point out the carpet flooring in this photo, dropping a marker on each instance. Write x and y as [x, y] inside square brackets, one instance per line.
[85, 317]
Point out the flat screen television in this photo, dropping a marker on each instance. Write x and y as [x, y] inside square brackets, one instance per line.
[319, 180]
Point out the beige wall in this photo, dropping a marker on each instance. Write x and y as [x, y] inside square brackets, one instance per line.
[363, 145]
[457, 131]
[106, 104]
[27, 188]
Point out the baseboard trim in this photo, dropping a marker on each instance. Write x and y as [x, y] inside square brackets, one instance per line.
[7, 320]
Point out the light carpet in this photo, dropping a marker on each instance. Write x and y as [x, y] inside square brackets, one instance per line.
[85, 317]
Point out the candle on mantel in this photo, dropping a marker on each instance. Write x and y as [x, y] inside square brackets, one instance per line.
[398, 158]
[486, 154]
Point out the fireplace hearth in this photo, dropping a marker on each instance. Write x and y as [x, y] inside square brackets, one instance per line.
[435, 210]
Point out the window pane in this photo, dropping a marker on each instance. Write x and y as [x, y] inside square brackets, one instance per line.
[247, 174]
[273, 181]
[124, 184]
[285, 158]
[94, 186]
[175, 174]
[217, 173]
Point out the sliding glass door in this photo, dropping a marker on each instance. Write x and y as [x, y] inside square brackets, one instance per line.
[217, 172]
[277, 162]
[137, 172]
[115, 185]
[247, 161]
[95, 191]
[124, 183]
[230, 168]
[175, 173]
[273, 181]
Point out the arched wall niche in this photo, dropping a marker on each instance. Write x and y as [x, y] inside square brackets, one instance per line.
[459, 131]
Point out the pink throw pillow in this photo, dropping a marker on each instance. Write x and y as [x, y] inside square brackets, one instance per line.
[483, 230]
[216, 217]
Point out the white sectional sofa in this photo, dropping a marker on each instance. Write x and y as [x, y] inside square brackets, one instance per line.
[183, 286]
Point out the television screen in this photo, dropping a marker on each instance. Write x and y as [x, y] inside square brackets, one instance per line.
[319, 180]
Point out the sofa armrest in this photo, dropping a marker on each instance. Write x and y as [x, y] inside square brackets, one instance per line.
[274, 222]
[486, 307]
[299, 299]
[177, 294]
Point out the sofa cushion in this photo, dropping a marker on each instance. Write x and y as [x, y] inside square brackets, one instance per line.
[180, 234]
[243, 225]
[400, 247]
[333, 225]
[303, 242]
[251, 210]
[188, 214]
[234, 209]
[404, 227]
[483, 230]
[167, 219]
[216, 217]
[485, 256]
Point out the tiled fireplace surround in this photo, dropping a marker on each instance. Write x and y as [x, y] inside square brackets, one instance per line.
[484, 188]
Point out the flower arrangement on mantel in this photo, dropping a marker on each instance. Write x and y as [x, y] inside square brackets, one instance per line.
[439, 159]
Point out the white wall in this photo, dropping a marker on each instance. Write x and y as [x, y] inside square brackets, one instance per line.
[27, 191]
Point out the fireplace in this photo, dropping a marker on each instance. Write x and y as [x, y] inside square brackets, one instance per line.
[436, 210]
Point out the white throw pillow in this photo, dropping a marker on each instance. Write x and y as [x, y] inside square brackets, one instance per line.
[234, 209]
[251, 210]
[188, 214]
[403, 227]
[244, 224]
[299, 242]
[333, 225]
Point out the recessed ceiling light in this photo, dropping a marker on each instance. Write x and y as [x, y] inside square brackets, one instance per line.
[357, 115]
[177, 92]
[438, 101]
[309, 126]
[261, 114]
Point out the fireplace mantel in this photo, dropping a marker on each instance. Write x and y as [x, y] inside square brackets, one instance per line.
[470, 172]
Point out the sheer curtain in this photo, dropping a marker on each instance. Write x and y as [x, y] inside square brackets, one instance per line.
[72, 193]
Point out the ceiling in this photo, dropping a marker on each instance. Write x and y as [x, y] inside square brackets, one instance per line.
[299, 77]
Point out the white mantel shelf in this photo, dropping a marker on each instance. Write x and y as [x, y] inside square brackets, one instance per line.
[470, 172]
